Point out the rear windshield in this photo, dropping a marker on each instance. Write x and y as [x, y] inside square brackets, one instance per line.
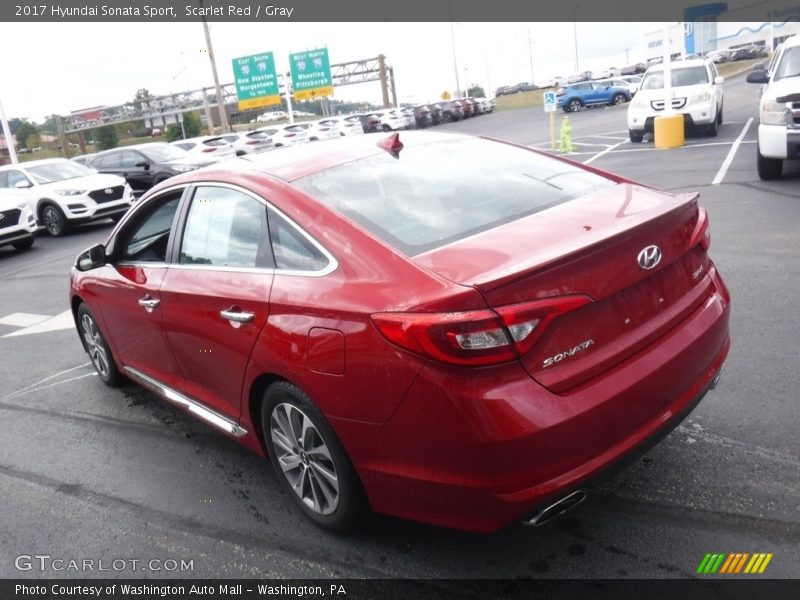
[441, 192]
[654, 80]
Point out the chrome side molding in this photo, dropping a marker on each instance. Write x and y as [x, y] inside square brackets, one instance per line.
[193, 406]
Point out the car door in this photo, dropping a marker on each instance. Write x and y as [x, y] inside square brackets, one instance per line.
[128, 300]
[216, 295]
[138, 170]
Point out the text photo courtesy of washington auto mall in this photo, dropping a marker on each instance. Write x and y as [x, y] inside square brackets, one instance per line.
[359, 300]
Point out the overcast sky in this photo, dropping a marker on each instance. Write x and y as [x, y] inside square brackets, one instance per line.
[59, 68]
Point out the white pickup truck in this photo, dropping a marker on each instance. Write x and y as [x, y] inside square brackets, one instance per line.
[779, 109]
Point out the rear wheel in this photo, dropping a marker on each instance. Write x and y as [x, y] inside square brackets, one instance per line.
[23, 244]
[386, 128]
[54, 220]
[96, 346]
[768, 168]
[309, 459]
[636, 136]
[618, 99]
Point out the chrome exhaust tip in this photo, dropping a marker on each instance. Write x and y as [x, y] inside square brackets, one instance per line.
[716, 379]
[550, 512]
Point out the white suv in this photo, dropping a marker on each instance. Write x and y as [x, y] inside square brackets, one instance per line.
[61, 192]
[17, 224]
[696, 94]
[779, 109]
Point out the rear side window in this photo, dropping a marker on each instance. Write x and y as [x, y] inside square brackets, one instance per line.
[293, 250]
[441, 192]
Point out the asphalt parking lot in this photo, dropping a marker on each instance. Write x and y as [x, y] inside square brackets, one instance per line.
[87, 472]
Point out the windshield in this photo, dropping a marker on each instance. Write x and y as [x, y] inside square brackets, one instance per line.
[790, 64]
[654, 80]
[164, 153]
[58, 171]
[441, 192]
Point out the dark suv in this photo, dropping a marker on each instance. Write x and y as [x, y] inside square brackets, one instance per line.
[145, 165]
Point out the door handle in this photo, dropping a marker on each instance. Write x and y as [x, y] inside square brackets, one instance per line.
[237, 316]
[149, 303]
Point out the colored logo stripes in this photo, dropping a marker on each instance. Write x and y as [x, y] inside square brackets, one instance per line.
[738, 562]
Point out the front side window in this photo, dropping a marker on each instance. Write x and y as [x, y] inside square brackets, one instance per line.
[226, 228]
[108, 161]
[10, 179]
[149, 239]
[790, 64]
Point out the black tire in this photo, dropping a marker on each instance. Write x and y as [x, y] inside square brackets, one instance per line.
[321, 466]
[712, 130]
[719, 115]
[636, 136]
[447, 117]
[97, 348]
[618, 99]
[23, 244]
[768, 168]
[54, 221]
[386, 128]
[575, 105]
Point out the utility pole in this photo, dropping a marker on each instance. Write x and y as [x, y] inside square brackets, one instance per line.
[530, 53]
[453, 42]
[223, 117]
[12, 152]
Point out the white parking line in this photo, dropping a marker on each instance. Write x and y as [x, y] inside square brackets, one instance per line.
[41, 381]
[606, 151]
[728, 159]
[44, 387]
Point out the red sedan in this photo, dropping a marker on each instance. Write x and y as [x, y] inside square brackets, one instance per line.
[445, 328]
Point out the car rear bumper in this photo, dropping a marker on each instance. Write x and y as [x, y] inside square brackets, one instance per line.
[481, 452]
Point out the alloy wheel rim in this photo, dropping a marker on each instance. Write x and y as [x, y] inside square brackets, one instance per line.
[51, 220]
[304, 458]
[575, 106]
[94, 343]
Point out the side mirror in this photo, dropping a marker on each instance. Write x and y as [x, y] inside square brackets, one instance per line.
[21, 185]
[91, 258]
[719, 80]
[143, 163]
[758, 76]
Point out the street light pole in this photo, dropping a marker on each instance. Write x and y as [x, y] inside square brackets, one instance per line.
[453, 42]
[575, 37]
[530, 53]
[12, 152]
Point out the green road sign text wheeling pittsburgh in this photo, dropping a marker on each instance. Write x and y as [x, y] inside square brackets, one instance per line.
[256, 82]
[311, 74]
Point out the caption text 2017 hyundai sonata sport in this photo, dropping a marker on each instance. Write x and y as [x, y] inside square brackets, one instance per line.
[444, 328]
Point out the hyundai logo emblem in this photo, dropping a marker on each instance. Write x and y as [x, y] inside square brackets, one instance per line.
[108, 191]
[649, 257]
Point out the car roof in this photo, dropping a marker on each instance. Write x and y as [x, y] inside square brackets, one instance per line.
[299, 161]
[791, 42]
[32, 163]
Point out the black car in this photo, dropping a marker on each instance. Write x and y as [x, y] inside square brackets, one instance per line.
[146, 165]
[634, 69]
[452, 110]
[436, 113]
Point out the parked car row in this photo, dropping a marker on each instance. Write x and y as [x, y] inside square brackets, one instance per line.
[505, 90]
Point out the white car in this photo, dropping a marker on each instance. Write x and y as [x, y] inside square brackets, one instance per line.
[17, 223]
[696, 94]
[349, 125]
[286, 135]
[249, 143]
[207, 145]
[632, 82]
[394, 119]
[779, 109]
[275, 115]
[324, 129]
[61, 193]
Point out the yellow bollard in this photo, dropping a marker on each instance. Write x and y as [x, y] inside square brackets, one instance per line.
[668, 131]
[565, 147]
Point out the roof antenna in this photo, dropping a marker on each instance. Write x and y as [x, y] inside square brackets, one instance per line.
[391, 144]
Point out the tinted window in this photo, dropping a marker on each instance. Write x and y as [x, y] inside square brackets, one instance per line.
[226, 228]
[293, 251]
[441, 192]
[131, 159]
[108, 161]
[9, 179]
[148, 241]
[790, 64]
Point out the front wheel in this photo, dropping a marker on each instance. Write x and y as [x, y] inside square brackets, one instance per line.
[768, 168]
[54, 220]
[636, 136]
[98, 350]
[23, 244]
[309, 459]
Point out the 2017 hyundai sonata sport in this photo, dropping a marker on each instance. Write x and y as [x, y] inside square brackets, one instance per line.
[445, 328]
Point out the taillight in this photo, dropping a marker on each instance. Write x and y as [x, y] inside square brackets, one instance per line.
[252, 142]
[475, 338]
[701, 234]
[291, 134]
[209, 149]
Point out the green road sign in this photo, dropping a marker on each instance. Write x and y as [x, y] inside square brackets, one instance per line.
[256, 82]
[311, 74]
